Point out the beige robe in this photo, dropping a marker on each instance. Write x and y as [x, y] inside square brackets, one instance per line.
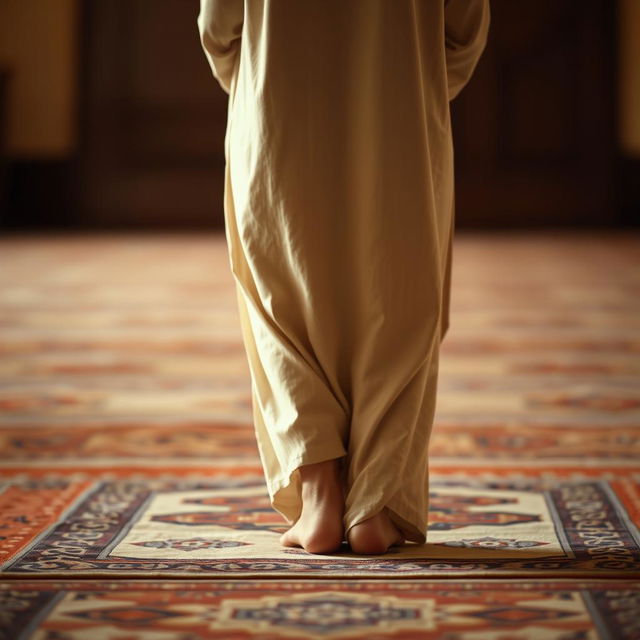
[339, 217]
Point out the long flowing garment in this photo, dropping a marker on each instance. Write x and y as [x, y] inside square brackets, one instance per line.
[339, 218]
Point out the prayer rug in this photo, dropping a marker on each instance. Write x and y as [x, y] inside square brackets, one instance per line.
[481, 523]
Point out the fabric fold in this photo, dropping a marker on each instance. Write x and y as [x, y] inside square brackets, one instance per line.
[339, 218]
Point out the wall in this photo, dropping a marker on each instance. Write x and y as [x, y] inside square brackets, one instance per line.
[39, 45]
[151, 120]
[629, 76]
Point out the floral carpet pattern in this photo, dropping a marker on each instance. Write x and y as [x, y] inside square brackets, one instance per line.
[132, 500]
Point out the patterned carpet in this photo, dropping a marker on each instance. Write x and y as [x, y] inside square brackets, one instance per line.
[132, 500]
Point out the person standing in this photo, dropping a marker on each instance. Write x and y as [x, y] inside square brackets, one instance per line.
[339, 219]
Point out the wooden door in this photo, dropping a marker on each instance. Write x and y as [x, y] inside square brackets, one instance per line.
[154, 118]
[534, 130]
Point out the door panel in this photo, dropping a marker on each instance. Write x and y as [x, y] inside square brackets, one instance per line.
[533, 130]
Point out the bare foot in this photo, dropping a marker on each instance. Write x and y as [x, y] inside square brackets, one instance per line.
[319, 528]
[374, 535]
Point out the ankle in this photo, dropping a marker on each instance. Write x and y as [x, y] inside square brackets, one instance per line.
[320, 491]
[320, 473]
[320, 480]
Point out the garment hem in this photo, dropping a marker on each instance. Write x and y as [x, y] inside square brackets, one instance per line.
[292, 477]
[405, 522]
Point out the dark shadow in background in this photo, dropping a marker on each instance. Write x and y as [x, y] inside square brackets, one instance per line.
[535, 129]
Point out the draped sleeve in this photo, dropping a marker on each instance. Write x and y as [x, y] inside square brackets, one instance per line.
[466, 31]
[220, 25]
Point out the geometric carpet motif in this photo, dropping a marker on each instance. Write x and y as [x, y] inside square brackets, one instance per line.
[290, 609]
[133, 502]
